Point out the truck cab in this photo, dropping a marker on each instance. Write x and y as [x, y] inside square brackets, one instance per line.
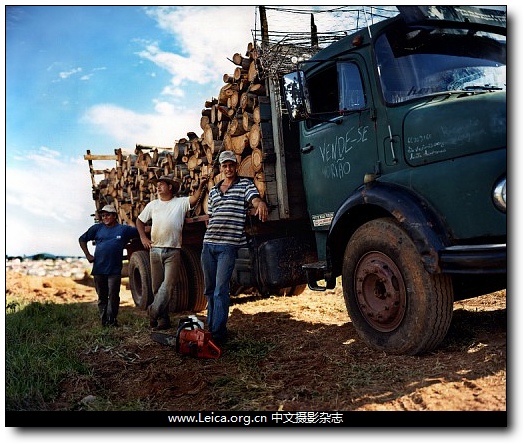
[402, 139]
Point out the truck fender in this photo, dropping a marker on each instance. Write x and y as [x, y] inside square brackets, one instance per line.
[379, 199]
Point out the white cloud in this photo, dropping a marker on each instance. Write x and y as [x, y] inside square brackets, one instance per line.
[130, 128]
[206, 48]
[181, 68]
[66, 74]
[48, 203]
[47, 185]
[173, 91]
[164, 108]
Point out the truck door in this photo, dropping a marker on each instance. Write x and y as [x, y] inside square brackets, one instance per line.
[338, 140]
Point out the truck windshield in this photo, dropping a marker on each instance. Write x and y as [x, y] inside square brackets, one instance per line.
[421, 62]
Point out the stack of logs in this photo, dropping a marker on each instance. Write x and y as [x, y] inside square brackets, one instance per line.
[229, 122]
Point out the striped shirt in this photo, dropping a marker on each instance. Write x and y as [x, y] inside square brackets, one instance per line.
[227, 212]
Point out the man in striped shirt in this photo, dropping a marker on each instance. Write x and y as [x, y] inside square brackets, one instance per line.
[228, 205]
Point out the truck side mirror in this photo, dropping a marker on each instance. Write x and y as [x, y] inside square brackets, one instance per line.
[294, 94]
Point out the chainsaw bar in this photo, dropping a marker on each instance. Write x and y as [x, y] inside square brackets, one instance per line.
[164, 339]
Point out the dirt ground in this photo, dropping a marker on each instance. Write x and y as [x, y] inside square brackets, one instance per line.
[313, 359]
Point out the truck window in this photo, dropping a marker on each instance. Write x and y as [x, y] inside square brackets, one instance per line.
[336, 90]
[416, 63]
[351, 88]
[323, 91]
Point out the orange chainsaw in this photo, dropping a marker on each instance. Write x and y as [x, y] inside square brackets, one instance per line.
[190, 339]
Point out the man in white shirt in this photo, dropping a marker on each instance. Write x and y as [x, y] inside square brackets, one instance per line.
[167, 213]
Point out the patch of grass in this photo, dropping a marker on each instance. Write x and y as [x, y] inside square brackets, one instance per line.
[44, 342]
[369, 374]
[247, 351]
[242, 391]
[93, 403]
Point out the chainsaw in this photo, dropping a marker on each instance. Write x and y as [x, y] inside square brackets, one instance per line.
[190, 339]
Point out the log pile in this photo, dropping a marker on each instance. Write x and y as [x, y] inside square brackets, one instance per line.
[232, 121]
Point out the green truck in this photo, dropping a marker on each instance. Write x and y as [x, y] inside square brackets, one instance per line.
[385, 159]
[402, 138]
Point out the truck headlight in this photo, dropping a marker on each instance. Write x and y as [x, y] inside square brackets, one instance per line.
[500, 194]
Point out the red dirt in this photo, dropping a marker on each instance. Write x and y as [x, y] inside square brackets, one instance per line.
[311, 358]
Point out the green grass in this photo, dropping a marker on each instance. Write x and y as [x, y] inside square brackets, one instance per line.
[242, 390]
[45, 344]
[43, 348]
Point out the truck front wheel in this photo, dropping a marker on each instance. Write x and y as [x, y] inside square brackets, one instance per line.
[395, 305]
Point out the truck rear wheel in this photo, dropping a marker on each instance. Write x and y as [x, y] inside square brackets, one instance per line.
[180, 297]
[395, 305]
[191, 260]
[140, 279]
[188, 294]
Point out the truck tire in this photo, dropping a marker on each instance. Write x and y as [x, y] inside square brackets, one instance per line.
[395, 305]
[191, 259]
[180, 298]
[140, 279]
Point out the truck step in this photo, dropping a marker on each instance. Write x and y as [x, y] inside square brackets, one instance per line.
[319, 271]
[318, 266]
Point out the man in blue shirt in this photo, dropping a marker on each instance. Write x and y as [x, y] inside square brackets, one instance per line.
[227, 208]
[110, 239]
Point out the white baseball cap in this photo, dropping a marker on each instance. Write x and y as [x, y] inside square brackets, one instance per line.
[228, 156]
[108, 208]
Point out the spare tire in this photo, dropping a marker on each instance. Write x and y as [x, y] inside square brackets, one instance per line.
[140, 279]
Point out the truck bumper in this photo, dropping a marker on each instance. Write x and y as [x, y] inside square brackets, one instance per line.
[474, 259]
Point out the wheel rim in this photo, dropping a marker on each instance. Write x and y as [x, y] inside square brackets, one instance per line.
[380, 291]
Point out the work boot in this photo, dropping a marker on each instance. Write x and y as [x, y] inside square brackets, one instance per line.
[220, 340]
[153, 322]
[163, 323]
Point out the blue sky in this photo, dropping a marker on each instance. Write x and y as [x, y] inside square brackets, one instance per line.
[100, 78]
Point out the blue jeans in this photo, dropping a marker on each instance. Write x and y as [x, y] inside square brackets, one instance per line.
[108, 290]
[165, 273]
[218, 265]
